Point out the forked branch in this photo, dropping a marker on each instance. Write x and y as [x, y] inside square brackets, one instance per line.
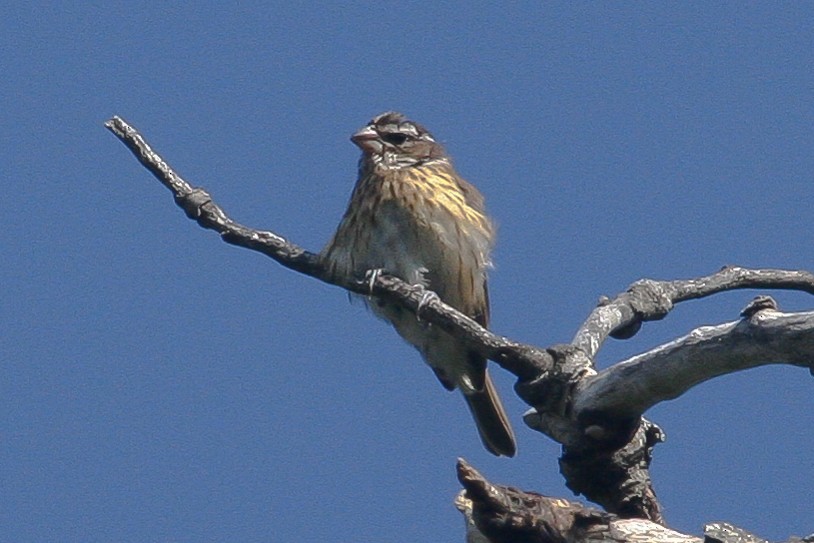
[629, 388]
[607, 446]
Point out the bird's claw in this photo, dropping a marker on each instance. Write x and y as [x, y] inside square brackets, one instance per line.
[370, 277]
[426, 298]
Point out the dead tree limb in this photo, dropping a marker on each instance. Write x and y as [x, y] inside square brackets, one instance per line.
[501, 514]
[766, 336]
[596, 416]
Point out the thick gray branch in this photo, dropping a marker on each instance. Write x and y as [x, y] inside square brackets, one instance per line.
[629, 388]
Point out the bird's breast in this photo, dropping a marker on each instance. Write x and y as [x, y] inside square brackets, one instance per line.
[417, 224]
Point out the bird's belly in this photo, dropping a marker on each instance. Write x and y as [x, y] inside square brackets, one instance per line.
[405, 247]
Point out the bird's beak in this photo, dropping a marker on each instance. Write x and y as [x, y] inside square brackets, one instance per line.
[367, 139]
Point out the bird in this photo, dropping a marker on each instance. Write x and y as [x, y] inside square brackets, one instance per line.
[412, 216]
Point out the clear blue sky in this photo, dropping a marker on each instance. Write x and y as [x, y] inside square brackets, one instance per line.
[160, 385]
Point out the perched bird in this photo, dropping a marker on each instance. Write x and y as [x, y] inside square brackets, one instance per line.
[411, 215]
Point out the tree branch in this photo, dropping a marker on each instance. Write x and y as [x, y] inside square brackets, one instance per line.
[607, 446]
[649, 300]
[504, 514]
[525, 361]
[501, 514]
[629, 388]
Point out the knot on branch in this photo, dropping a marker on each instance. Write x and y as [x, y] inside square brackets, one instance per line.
[551, 389]
[551, 393]
[617, 479]
[192, 202]
[759, 303]
[649, 301]
[723, 532]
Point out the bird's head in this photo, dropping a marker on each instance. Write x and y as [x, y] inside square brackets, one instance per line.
[392, 141]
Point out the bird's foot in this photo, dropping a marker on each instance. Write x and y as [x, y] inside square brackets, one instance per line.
[426, 298]
[371, 276]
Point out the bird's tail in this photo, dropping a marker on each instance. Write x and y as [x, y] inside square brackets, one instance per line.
[490, 417]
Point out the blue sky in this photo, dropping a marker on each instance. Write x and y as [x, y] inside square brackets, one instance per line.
[159, 385]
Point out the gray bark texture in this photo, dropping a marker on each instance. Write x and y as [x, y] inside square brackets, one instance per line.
[597, 416]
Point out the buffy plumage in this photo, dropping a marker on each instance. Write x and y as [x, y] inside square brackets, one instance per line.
[413, 216]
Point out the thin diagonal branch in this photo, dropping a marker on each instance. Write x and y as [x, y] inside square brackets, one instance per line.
[198, 205]
[525, 361]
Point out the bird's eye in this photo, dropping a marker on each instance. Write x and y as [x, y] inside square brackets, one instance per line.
[395, 138]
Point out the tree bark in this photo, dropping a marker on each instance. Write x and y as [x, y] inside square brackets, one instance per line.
[596, 416]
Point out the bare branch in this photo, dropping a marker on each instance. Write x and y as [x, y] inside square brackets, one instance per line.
[629, 388]
[198, 205]
[607, 447]
[499, 514]
[504, 514]
[525, 361]
[648, 300]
